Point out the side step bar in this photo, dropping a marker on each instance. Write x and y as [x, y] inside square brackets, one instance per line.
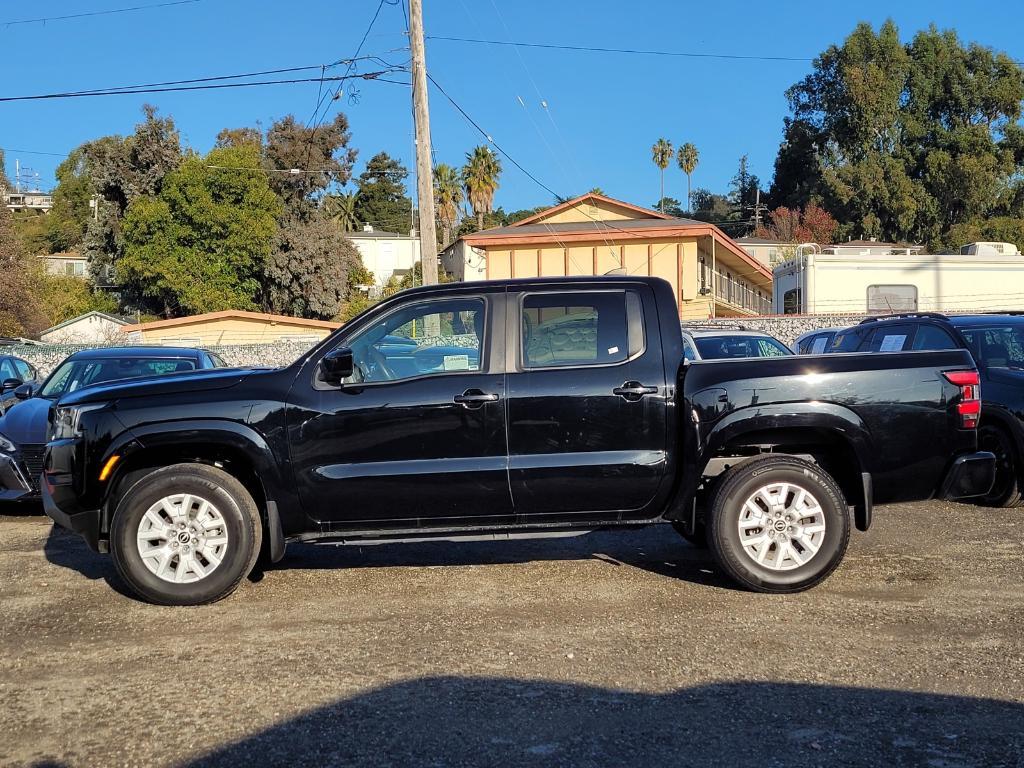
[458, 537]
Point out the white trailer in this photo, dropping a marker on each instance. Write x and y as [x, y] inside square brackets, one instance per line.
[829, 283]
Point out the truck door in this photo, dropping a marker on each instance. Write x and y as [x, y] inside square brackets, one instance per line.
[416, 437]
[587, 402]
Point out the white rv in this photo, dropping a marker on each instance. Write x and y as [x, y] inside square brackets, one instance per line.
[982, 277]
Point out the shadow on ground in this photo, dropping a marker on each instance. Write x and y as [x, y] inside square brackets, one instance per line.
[450, 721]
[657, 549]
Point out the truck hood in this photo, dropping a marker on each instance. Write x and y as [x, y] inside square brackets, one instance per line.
[25, 421]
[207, 380]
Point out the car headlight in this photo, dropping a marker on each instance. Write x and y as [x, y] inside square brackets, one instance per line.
[7, 445]
[66, 420]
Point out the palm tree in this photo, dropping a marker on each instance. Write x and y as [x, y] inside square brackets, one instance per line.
[341, 209]
[480, 178]
[688, 158]
[447, 198]
[661, 154]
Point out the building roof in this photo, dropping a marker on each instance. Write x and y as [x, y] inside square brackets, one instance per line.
[644, 223]
[594, 197]
[872, 244]
[63, 255]
[264, 317]
[94, 313]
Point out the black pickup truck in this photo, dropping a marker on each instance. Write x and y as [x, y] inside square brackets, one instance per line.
[509, 409]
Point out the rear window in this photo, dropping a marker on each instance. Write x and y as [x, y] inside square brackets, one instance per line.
[891, 338]
[723, 347]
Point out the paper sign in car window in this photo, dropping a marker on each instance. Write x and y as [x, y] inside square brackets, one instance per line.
[819, 345]
[613, 350]
[892, 343]
[456, 362]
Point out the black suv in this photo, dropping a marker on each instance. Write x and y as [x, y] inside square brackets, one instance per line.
[996, 341]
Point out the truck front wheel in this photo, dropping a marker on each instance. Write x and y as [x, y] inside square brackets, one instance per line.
[186, 534]
[778, 524]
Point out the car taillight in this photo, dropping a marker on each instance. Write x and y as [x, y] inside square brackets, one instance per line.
[969, 406]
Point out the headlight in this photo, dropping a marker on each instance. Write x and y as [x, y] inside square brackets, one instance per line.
[6, 445]
[66, 420]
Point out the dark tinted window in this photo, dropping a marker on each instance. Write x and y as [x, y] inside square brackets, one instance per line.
[847, 341]
[933, 337]
[818, 344]
[891, 338]
[574, 329]
[997, 347]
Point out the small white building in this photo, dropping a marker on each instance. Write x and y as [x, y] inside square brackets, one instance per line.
[90, 328]
[769, 252]
[386, 254]
[67, 263]
[840, 283]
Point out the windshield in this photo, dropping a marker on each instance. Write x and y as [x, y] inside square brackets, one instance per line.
[73, 375]
[719, 347]
[1000, 346]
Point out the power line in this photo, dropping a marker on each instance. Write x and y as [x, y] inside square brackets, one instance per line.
[636, 51]
[45, 19]
[33, 152]
[214, 86]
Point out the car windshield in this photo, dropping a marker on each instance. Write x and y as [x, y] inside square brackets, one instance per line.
[997, 346]
[719, 347]
[73, 375]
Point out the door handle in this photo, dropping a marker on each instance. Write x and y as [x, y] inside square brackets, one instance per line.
[634, 390]
[474, 398]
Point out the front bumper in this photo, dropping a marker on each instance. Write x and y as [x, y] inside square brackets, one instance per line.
[971, 474]
[85, 522]
[13, 483]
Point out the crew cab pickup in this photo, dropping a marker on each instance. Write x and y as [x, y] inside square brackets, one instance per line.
[508, 409]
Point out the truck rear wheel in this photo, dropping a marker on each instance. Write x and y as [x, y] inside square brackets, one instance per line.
[1006, 490]
[778, 524]
[186, 534]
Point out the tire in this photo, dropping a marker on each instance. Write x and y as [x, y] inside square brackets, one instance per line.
[1006, 490]
[806, 549]
[185, 564]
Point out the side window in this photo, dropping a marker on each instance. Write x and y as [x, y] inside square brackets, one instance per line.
[933, 337]
[891, 338]
[7, 370]
[819, 343]
[688, 351]
[432, 337]
[892, 298]
[771, 348]
[570, 329]
[25, 372]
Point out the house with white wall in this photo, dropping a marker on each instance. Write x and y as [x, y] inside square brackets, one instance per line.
[90, 328]
[386, 254]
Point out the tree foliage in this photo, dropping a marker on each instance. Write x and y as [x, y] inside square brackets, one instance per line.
[812, 225]
[905, 141]
[447, 199]
[20, 313]
[381, 198]
[661, 156]
[321, 155]
[68, 220]
[202, 244]
[480, 177]
[688, 157]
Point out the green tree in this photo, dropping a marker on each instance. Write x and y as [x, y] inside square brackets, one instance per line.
[202, 244]
[341, 209]
[743, 188]
[661, 156]
[62, 298]
[20, 313]
[5, 183]
[447, 199]
[688, 157]
[669, 205]
[381, 198]
[320, 156]
[480, 177]
[68, 220]
[905, 141]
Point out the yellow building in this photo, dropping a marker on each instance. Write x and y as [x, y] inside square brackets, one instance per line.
[229, 327]
[594, 235]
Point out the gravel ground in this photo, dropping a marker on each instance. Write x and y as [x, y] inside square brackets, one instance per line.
[611, 649]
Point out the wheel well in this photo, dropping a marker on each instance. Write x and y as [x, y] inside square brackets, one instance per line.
[834, 454]
[139, 464]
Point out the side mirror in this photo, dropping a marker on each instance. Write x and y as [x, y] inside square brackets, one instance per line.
[24, 392]
[336, 365]
[9, 384]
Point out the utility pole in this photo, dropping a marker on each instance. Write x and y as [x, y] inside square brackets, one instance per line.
[424, 167]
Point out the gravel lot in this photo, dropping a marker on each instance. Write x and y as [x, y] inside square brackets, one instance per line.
[611, 649]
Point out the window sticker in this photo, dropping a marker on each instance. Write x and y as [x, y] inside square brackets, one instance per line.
[613, 350]
[456, 362]
[892, 343]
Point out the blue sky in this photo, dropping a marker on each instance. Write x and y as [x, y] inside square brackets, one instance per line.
[603, 110]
